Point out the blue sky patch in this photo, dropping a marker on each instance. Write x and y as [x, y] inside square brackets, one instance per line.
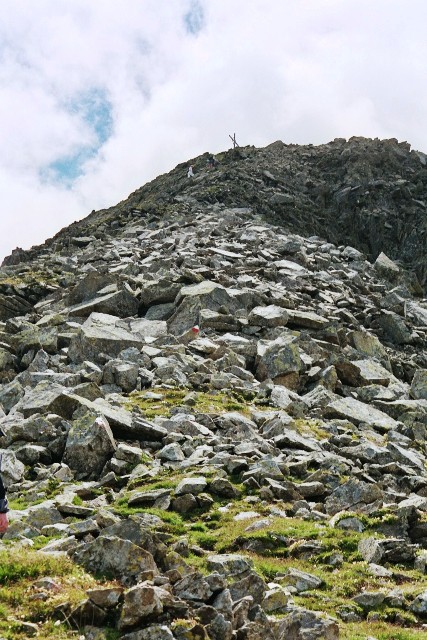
[194, 19]
[67, 169]
[94, 108]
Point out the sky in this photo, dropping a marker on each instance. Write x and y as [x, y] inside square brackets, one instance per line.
[97, 97]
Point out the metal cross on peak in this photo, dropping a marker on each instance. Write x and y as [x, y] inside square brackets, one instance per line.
[233, 140]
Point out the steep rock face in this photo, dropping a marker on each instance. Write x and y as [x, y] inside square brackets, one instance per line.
[204, 387]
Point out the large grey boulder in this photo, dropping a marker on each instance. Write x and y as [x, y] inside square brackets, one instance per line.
[136, 529]
[89, 287]
[242, 430]
[193, 298]
[194, 485]
[394, 328]
[231, 565]
[417, 313]
[49, 431]
[368, 344]
[369, 599]
[386, 267]
[419, 384]
[120, 303]
[363, 372]
[12, 469]
[7, 359]
[358, 412]
[264, 468]
[419, 605]
[144, 328]
[47, 397]
[12, 306]
[120, 420]
[141, 602]
[301, 580]
[90, 444]
[123, 374]
[270, 316]
[302, 624]
[291, 439]
[118, 558]
[383, 550]
[101, 336]
[155, 292]
[307, 319]
[278, 358]
[193, 587]
[353, 495]
[275, 600]
[252, 584]
[10, 394]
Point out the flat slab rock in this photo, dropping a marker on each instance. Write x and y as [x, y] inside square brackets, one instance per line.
[358, 412]
[91, 340]
[306, 319]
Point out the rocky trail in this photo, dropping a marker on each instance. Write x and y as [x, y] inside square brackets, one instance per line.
[214, 405]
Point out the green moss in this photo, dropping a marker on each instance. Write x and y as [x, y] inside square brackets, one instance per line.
[17, 504]
[27, 277]
[312, 428]
[215, 402]
[53, 488]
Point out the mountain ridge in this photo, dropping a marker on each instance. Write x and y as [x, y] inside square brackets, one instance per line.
[371, 194]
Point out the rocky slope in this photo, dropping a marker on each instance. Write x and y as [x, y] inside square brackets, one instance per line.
[370, 194]
[214, 395]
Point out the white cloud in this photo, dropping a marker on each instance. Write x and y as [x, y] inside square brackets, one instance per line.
[179, 76]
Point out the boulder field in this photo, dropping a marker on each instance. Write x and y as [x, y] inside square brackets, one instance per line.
[213, 400]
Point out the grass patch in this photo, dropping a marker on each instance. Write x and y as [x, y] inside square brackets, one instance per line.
[20, 596]
[24, 563]
[312, 428]
[210, 403]
[28, 277]
[380, 631]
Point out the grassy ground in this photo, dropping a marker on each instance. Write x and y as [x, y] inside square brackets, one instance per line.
[281, 544]
[29, 608]
[200, 402]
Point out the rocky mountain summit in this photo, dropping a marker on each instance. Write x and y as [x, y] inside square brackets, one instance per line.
[214, 404]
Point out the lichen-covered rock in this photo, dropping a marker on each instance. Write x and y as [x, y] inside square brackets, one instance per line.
[301, 580]
[117, 558]
[301, 624]
[353, 495]
[191, 299]
[419, 384]
[278, 358]
[141, 602]
[100, 335]
[152, 632]
[394, 550]
[232, 565]
[90, 444]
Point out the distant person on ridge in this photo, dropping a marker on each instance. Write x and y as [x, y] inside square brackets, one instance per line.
[190, 173]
